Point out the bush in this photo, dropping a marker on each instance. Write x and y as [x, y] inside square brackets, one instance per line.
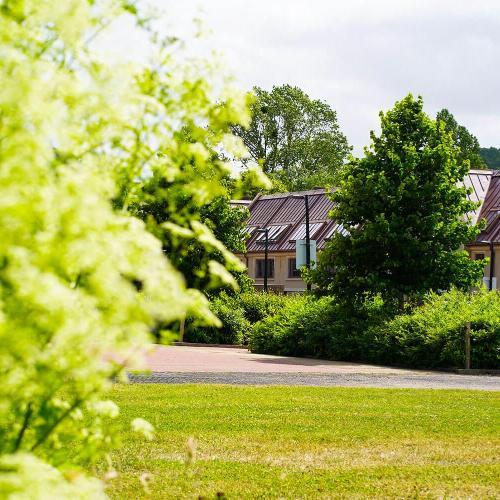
[237, 313]
[290, 331]
[317, 328]
[259, 305]
[429, 336]
[234, 329]
[432, 336]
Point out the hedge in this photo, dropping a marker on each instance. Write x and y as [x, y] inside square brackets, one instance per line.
[235, 326]
[429, 336]
[237, 312]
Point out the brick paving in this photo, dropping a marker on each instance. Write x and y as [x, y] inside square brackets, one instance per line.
[182, 364]
[219, 359]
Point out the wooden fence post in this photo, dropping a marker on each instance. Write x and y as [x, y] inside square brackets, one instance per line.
[181, 329]
[467, 345]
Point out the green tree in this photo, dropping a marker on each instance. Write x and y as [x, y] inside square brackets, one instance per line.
[405, 213]
[229, 225]
[491, 157]
[187, 253]
[467, 144]
[177, 181]
[82, 282]
[173, 171]
[296, 139]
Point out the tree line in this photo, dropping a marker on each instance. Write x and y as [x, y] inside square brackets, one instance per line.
[299, 145]
[402, 202]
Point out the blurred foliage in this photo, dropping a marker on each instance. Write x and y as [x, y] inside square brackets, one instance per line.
[84, 145]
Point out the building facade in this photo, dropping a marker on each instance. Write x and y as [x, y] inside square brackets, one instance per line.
[486, 183]
[284, 216]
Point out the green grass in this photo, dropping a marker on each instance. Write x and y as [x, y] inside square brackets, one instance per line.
[301, 442]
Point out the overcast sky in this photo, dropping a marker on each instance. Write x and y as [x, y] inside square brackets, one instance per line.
[360, 56]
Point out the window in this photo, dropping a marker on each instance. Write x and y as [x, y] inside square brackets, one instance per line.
[293, 272]
[259, 268]
[479, 256]
[300, 232]
[274, 233]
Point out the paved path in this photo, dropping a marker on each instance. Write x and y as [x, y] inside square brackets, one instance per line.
[182, 364]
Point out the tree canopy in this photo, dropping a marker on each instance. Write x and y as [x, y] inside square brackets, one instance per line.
[491, 157]
[183, 246]
[296, 139]
[466, 143]
[405, 213]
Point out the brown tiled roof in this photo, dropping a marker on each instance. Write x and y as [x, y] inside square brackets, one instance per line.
[284, 210]
[478, 181]
[490, 210]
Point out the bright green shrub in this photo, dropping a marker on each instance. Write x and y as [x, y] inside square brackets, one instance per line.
[432, 336]
[234, 328]
[24, 476]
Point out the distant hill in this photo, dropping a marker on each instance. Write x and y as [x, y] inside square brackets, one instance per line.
[491, 157]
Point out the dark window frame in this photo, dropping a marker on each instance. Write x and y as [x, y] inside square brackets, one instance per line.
[479, 256]
[259, 268]
[293, 272]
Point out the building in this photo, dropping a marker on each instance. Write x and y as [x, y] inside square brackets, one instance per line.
[284, 215]
[240, 203]
[486, 185]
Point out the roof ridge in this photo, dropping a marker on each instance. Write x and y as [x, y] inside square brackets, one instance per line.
[481, 171]
[254, 201]
[315, 191]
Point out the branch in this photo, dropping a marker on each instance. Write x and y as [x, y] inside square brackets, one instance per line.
[27, 417]
[51, 428]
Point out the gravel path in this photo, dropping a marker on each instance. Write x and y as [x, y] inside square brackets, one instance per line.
[425, 380]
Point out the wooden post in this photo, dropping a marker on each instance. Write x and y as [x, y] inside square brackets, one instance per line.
[181, 329]
[467, 345]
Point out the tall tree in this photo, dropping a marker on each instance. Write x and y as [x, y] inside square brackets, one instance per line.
[405, 212]
[296, 139]
[184, 207]
[187, 252]
[467, 144]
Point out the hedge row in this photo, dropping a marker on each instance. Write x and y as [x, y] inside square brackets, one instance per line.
[429, 336]
[237, 313]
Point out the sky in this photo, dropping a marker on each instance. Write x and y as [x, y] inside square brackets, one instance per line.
[360, 56]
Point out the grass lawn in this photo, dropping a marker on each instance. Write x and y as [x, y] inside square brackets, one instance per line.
[262, 442]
